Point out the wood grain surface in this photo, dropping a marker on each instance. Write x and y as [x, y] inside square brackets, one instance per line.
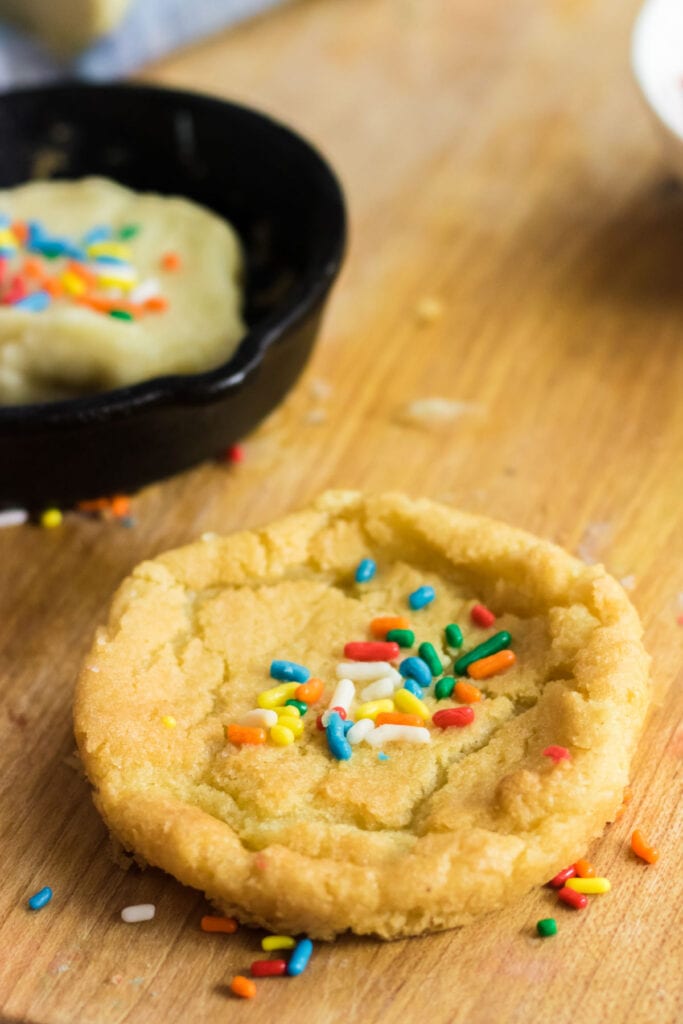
[498, 160]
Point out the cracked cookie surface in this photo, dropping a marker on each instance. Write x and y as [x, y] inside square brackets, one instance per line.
[288, 837]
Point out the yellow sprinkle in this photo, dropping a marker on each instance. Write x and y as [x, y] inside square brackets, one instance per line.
[115, 249]
[50, 518]
[272, 942]
[372, 708]
[276, 696]
[109, 280]
[590, 886]
[281, 735]
[73, 284]
[410, 704]
[7, 239]
[292, 722]
[169, 721]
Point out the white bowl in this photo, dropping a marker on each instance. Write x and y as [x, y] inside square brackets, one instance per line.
[657, 62]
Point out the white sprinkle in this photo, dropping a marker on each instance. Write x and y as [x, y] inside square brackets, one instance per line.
[387, 733]
[343, 695]
[260, 718]
[363, 671]
[360, 731]
[628, 582]
[148, 289]
[13, 517]
[140, 912]
[384, 687]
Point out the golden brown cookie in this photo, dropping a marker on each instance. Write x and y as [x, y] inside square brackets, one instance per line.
[402, 837]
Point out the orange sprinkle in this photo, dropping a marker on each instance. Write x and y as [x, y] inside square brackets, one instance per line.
[94, 505]
[310, 691]
[584, 869]
[120, 505]
[218, 924]
[381, 626]
[243, 987]
[20, 231]
[397, 718]
[492, 665]
[106, 305]
[240, 734]
[156, 304]
[53, 287]
[32, 267]
[642, 848]
[171, 261]
[466, 693]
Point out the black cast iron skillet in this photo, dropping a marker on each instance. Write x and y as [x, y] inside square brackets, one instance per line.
[288, 208]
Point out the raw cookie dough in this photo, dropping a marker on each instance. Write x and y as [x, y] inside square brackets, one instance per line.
[291, 838]
[69, 348]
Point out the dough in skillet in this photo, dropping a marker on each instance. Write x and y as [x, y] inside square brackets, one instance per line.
[295, 840]
[77, 344]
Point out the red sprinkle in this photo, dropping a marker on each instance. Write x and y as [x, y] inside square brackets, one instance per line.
[368, 651]
[16, 292]
[319, 720]
[557, 753]
[235, 453]
[577, 900]
[453, 716]
[268, 968]
[561, 877]
[481, 616]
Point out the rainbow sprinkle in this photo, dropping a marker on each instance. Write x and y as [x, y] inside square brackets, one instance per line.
[96, 271]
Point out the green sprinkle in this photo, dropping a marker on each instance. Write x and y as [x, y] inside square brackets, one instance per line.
[454, 635]
[546, 926]
[495, 643]
[428, 653]
[402, 637]
[129, 231]
[301, 707]
[444, 688]
[120, 314]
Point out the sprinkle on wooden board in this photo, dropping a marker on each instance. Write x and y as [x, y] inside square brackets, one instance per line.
[213, 923]
[243, 987]
[642, 848]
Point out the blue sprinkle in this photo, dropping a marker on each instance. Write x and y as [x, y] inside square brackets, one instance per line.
[365, 571]
[36, 302]
[289, 671]
[382, 757]
[100, 233]
[113, 261]
[7, 250]
[4, 220]
[298, 961]
[36, 232]
[417, 669]
[127, 521]
[421, 597]
[41, 898]
[412, 687]
[51, 247]
[336, 741]
[348, 724]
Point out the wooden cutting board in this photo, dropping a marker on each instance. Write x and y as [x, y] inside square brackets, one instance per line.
[497, 161]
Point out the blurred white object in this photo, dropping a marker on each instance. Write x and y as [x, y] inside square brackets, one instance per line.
[657, 61]
[149, 29]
